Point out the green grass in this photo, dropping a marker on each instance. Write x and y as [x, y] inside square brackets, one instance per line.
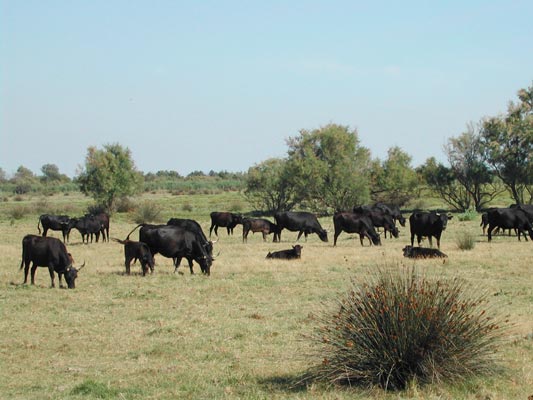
[238, 334]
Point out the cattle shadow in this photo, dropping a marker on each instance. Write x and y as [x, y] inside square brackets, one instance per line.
[297, 383]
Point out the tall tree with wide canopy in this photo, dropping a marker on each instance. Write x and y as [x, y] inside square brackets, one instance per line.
[329, 168]
[508, 142]
[109, 174]
[270, 188]
[467, 160]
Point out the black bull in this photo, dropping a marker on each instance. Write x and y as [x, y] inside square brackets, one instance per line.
[177, 243]
[48, 252]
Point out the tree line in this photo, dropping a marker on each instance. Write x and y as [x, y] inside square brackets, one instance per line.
[327, 169]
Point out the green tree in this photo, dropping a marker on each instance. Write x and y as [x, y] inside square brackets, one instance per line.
[329, 168]
[24, 179]
[109, 174]
[51, 174]
[442, 181]
[269, 186]
[468, 164]
[508, 142]
[394, 181]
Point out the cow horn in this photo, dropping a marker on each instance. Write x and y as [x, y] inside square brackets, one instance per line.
[214, 241]
[83, 265]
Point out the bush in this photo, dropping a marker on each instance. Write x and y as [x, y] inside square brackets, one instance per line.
[468, 215]
[18, 212]
[146, 212]
[465, 240]
[399, 327]
[187, 207]
[125, 205]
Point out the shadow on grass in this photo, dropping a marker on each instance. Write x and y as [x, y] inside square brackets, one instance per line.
[285, 383]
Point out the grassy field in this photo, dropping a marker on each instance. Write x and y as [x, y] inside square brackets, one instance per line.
[238, 334]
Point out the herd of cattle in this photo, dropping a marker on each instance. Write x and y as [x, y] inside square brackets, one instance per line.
[184, 238]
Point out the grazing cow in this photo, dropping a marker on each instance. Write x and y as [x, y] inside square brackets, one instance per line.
[177, 243]
[380, 218]
[258, 225]
[355, 223]
[393, 210]
[48, 252]
[422, 252]
[193, 226]
[509, 218]
[291, 254]
[430, 224]
[301, 222]
[88, 225]
[224, 219]
[137, 251]
[56, 223]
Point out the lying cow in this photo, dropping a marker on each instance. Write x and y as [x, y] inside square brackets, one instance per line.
[291, 254]
[137, 251]
[422, 252]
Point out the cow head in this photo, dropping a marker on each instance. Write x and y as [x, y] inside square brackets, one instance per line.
[407, 250]
[71, 274]
[401, 220]
[323, 235]
[395, 232]
[297, 250]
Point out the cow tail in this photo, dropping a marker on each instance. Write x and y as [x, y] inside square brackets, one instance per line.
[23, 257]
[133, 230]
[38, 225]
[120, 241]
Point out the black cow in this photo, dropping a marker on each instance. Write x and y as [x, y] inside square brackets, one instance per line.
[301, 222]
[393, 210]
[103, 218]
[224, 219]
[258, 225]
[422, 252]
[48, 252]
[380, 218]
[430, 224]
[509, 218]
[195, 227]
[355, 223]
[291, 254]
[177, 243]
[137, 251]
[88, 225]
[56, 223]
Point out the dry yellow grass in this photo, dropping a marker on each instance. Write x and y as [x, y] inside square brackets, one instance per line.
[237, 334]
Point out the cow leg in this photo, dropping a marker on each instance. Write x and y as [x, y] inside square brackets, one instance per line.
[299, 235]
[418, 239]
[264, 236]
[26, 270]
[244, 235]
[362, 238]
[51, 270]
[45, 230]
[190, 265]
[412, 239]
[489, 232]
[60, 276]
[177, 262]
[33, 269]
[127, 264]
[335, 236]
[430, 240]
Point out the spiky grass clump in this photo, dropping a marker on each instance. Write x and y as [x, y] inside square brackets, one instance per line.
[466, 240]
[401, 327]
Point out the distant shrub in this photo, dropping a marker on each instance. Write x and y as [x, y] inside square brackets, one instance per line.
[18, 197]
[236, 207]
[42, 205]
[468, 215]
[146, 212]
[466, 240]
[399, 327]
[187, 207]
[18, 212]
[125, 205]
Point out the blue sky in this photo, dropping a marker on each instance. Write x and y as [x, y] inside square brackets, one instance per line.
[201, 85]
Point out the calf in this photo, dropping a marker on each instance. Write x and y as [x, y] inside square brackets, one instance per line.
[258, 225]
[137, 251]
[422, 252]
[290, 254]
